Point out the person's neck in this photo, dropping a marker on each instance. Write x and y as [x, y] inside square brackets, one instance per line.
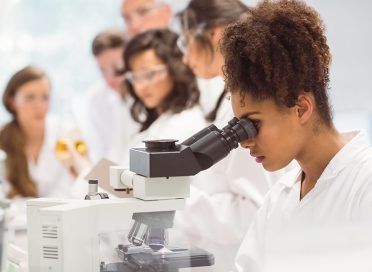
[34, 134]
[319, 151]
[34, 140]
[220, 63]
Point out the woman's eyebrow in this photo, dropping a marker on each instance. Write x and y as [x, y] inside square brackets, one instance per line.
[246, 115]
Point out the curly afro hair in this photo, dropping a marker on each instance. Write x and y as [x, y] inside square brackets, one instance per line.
[277, 53]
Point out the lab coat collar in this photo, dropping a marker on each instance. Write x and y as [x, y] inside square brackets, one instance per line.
[357, 142]
[292, 177]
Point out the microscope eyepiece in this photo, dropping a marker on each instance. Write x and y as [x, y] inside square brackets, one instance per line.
[165, 158]
[217, 144]
[238, 131]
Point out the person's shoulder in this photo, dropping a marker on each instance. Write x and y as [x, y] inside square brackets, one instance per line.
[361, 166]
[183, 124]
[97, 91]
[193, 114]
[361, 155]
[212, 83]
[365, 158]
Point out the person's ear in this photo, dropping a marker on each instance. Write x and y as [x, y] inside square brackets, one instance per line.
[215, 35]
[304, 107]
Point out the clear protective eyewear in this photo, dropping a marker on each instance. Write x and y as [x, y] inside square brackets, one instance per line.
[182, 44]
[184, 41]
[147, 75]
[30, 99]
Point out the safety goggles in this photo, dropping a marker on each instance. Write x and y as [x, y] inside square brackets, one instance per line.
[147, 75]
[23, 99]
[185, 40]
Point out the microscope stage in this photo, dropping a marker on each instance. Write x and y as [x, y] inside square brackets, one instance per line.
[147, 260]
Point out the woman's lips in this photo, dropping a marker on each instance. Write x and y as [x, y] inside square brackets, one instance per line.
[259, 159]
[146, 97]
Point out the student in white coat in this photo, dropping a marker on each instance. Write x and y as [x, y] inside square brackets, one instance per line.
[277, 68]
[29, 139]
[164, 89]
[225, 198]
[102, 111]
[164, 93]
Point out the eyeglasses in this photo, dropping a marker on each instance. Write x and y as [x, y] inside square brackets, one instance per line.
[30, 99]
[147, 75]
[183, 44]
[141, 12]
[184, 41]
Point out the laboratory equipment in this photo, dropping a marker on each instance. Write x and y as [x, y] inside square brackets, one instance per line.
[67, 236]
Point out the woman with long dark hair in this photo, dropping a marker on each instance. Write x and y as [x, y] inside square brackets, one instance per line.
[163, 88]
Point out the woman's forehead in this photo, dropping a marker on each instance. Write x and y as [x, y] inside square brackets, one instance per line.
[243, 103]
[144, 59]
[37, 85]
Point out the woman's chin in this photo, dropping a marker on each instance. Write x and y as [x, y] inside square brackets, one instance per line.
[271, 167]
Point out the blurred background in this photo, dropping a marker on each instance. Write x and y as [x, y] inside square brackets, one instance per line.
[57, 35]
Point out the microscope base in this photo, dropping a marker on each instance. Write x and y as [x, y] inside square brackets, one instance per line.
[151, 261]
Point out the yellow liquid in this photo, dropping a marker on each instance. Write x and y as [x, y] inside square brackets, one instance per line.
[81, 147]
[62, 149]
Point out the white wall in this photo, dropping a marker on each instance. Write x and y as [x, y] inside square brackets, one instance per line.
[56, 36]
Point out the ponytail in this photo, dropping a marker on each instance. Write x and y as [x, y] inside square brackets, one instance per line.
[12, 141]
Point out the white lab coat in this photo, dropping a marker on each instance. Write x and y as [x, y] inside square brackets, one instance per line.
[126, 130]
[101, 115]
[51, 177]
[210, 90]
[178, 126]
[284, 224]
[224, 200]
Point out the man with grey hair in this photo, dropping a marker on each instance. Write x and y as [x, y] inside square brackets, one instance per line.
[143, 15]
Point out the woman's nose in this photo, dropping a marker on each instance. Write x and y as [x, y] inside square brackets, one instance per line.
[139, 87]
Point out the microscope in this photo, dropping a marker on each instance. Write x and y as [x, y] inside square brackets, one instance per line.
[67, 236]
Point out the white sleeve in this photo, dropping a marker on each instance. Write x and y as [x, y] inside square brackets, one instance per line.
[250, 254]
[216, 216]
[224, 201]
